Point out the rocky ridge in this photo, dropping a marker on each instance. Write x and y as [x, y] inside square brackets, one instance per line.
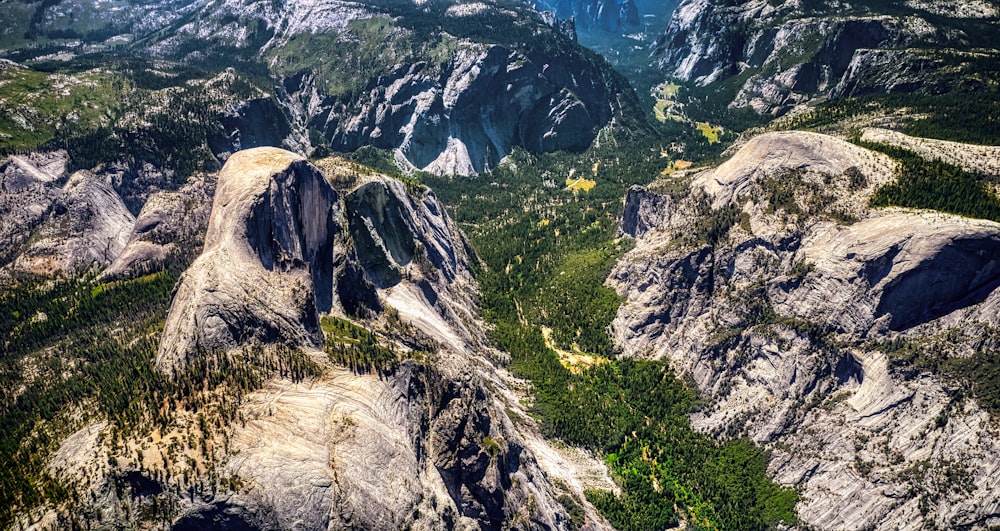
[972, 158]
[433, 82]
[776, 55]
[72, 221]
[170, 223]
[284, 248]
[773, 285]
[446, 100]
[57, 222]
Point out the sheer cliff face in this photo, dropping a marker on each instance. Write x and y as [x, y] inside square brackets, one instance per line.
[773, 56]
[437, 82]
[52, 221]
[487, 100]
[451, 86]
[425, 442]
[772, 283]
[268, 258]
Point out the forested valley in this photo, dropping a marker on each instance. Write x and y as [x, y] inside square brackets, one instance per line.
[545, 251]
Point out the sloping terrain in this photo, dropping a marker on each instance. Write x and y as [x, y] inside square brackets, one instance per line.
[438, 82]
[298, 410]
[208, 318]
[771, 56]
[788, 299]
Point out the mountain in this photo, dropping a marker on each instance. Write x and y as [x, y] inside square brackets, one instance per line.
[402, 387]
[809, 320]
[433, 81]
[622, 32]
[771, 56]
[427, 264]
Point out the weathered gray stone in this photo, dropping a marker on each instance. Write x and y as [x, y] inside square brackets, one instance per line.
[84, 224]
[268, 249]
[779, 320]
[425, 445]
[169, 224]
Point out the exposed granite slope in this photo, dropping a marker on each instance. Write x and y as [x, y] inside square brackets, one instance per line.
[775, 287]
[425, 444]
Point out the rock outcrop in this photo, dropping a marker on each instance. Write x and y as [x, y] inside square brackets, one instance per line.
[437, 82]
[425, 442]
[599, 15]
[777, 55]
[170, 223]
[894, 271]
[446, 100]
[486, 101]
[773, 285]
[268, 252]
[83, 224]
[28, 190]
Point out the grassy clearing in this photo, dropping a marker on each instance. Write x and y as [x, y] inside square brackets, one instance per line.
[575, 360]
[577, 185]
[668, 91]
[676, 166]
[660, 110]
[710, 132]
[666, 95]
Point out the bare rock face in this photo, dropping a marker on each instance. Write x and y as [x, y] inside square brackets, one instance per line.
[28, 190]
[448, 98]
[414, 256]
[598, 15]
[446, 101]
[770, 282]
[426, 443]
[85, 224]
[53, 221]
[488, 100]
[896, 271]
[779, 54]
[268, 249]
[170, 223]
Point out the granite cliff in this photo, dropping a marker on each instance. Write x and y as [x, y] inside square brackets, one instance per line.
[419, 79]
[422, 440]
[771, 282]
[771, 56]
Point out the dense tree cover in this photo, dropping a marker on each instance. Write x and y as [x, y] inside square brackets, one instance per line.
[87, 341]
[545, 252]
[982, 372]
[585, 302]
[935, 185]
[357, 348]
[959, 117]
[166, 128]
[543, 244]
[711, 104]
